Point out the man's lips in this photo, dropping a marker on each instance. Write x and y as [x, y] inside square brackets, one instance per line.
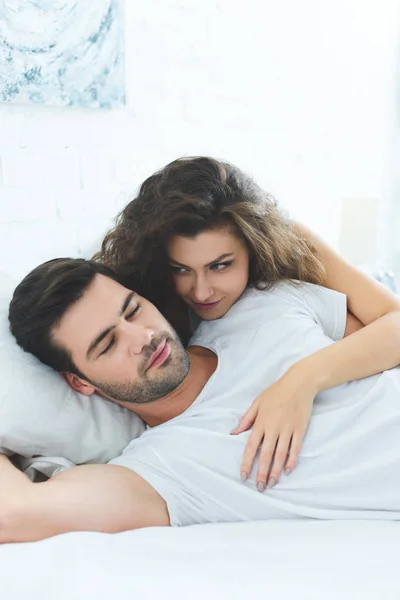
[206, 305]
[159, 355]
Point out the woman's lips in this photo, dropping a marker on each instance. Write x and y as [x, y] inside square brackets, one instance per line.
[160, 355]
[207, 305]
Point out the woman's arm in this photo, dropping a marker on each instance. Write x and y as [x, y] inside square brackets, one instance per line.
[104, 498]
[372, 349]
[352, 324]
[280, 415]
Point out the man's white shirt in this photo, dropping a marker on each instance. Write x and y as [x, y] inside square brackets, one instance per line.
[349, 464]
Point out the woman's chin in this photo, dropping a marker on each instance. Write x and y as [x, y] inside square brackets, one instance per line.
[212, 315]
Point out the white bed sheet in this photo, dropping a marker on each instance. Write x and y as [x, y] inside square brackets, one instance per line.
[279, 560]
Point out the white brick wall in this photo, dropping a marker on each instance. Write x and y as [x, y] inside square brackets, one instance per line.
[300, 94]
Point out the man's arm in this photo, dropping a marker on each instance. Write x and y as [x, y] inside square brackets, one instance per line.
[105, 498]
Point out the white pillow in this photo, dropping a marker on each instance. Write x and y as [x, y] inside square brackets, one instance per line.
[40, 415]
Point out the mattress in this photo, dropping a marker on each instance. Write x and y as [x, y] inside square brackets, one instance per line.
[302, 560]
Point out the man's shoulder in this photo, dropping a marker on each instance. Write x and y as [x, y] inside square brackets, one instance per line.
[253, 308]
[281, 294]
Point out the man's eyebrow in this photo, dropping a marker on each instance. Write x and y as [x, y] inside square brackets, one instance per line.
[104, 333]
[127, 302]
[216, 260]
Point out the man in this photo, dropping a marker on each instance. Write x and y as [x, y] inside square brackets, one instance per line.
[184, 469]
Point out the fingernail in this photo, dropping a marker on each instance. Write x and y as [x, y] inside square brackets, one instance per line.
[233, 431]
[288, 471]
[271, 482]
[260, 486]
[243, 476]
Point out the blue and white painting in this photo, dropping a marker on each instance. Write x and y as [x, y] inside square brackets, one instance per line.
[62, 52]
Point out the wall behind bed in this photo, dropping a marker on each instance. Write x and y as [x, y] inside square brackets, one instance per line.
[299, 94]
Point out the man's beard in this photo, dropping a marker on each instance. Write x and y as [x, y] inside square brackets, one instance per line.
[170, 375]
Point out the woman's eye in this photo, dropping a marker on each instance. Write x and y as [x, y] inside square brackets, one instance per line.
[178, 270]
[221, 266]
[133, 312]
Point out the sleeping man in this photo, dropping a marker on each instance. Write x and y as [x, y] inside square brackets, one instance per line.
[185, 468]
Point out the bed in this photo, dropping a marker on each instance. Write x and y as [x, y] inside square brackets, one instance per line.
[300, 559]
[305, 560]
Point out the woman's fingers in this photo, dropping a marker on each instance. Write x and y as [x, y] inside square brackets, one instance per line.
[247, 420]
[265, 460]
[252, 446]
[295, 446]
[279, 459]
[276, 453]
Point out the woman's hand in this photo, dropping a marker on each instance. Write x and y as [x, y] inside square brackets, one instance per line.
[280, 418]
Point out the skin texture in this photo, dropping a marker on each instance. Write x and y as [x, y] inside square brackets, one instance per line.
[211, 267]
[104, 498]
[121, 372]
[129, 331]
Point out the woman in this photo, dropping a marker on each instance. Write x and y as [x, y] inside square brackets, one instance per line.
[200, 232]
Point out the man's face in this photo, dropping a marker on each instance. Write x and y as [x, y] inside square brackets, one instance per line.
[122, 344]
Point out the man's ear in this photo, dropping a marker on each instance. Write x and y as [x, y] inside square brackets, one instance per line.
[78, 384]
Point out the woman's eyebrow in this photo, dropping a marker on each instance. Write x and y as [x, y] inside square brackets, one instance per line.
[177, 263]
[216, 260]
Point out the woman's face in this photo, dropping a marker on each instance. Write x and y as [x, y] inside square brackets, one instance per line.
[209, 271]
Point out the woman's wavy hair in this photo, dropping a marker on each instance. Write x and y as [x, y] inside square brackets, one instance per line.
[192, 195]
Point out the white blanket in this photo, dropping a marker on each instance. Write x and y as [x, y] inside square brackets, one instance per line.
[278, 560]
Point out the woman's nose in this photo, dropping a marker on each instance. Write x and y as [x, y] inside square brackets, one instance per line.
[202, 290]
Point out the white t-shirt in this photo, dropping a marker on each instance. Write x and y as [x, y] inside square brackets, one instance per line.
[349, 464]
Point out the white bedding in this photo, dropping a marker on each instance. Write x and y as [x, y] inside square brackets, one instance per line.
[277, 560]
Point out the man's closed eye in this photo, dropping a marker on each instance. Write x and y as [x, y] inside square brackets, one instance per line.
[108, 347]
[128, 317]
[133, 312]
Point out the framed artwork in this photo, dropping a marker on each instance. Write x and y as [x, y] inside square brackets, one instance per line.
[62, 52]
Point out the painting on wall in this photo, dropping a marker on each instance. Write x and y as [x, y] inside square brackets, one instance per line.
[62, 52]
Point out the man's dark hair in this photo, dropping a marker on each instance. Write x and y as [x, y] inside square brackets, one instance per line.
[41, 300]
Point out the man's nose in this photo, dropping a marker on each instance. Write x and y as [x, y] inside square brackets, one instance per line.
[138, 336]
[202, 291]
